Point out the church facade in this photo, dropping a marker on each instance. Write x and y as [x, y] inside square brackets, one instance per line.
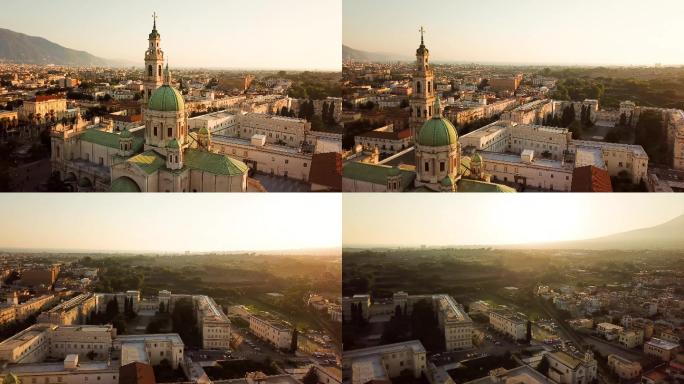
[161, 156]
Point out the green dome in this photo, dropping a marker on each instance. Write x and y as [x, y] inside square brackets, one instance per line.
[447, 181]
[394, 171]
[166, 99]
[11, 379]
[438, 131]
[126, 134]
[173, 144]
[476, 159]
[203, 131]
[124, 184]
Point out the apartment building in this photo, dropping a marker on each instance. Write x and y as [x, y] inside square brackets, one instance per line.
[511, 324]
[624, 368]
[215, 325]
[150, 348]
[275, 332]
[73, 311]
[661, 349]
[384, 362]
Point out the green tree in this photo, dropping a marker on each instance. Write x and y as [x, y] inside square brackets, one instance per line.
[311, 377]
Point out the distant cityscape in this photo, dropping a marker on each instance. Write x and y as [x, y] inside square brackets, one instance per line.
[478, 128]
[66, 128]
[63, 319]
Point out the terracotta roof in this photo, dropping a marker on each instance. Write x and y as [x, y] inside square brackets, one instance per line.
[127, 119]
[50, 97]
[136, 373]
[326, 169]
[590, 179]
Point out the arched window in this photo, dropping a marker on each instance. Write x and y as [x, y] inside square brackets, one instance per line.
[417, 86]
[441, 166]
[155, 131]
[427, 166]
[417, 111]
[159, 70]
[169, 131]
[149, 70]
[429, 87]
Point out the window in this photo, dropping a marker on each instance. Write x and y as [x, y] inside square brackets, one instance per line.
[169, 132]
[427, 167]
[441, 166]
[149, 71]
[155, 131]
[417, 86]
[158, 74]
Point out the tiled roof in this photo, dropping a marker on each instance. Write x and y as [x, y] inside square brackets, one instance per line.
[469, 185]
[326, 169]
[108, 139]
[214, 163]
[149, 161]
[375, 174]
[590, 179]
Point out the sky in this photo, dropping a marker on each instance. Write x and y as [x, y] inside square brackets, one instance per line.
[244, 34]
[171, 222]
[498, 219]
[617, 32]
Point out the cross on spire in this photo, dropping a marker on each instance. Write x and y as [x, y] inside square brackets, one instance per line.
[154, 18]
[422, 31]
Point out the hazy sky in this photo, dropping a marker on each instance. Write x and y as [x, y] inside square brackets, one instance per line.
[301, 34]
[170, 222]
[498, 219]
[526, 31]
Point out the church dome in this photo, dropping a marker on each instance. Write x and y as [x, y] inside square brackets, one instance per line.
[126, 134]
[173, 144]
[476, 159]
[438, 131]
[447, 181]
[166, 99]
[11, 379]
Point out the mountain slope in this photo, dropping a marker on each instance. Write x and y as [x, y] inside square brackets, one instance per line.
[668, 235]
[349, 53]
[20, 48]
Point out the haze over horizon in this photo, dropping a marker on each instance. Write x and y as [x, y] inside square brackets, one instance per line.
[498, 220]
[256, 34]
[609, 32]
[170, 223]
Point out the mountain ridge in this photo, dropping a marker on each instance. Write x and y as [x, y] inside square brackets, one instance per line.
[17, 47]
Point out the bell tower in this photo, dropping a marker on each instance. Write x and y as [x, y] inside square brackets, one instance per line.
[153, 77]
[423, 82]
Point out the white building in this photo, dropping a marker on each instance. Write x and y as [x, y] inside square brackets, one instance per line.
[567, 369]
[661, 349]
[511, 324]
[384, 362]
[275, 332]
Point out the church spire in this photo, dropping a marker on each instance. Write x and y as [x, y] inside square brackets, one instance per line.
[167, 74]
[422, 31]
[437, 109]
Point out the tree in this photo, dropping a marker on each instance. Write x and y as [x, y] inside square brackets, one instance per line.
[293, 344]
[331, 113]
[311, 377]
[112, 308]
[543, 366]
